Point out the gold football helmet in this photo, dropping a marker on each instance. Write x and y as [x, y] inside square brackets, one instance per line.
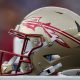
[46, 41]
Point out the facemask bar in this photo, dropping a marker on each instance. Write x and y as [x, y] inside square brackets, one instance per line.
[2, 53]
[25, 37]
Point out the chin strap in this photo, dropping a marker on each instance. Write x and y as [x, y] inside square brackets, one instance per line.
[50, 69]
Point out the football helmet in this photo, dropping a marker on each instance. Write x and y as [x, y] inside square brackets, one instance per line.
[45, 42]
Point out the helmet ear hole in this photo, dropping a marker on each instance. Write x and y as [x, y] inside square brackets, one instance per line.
[51, 57]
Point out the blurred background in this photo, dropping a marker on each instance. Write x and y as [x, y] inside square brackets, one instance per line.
[12, 12]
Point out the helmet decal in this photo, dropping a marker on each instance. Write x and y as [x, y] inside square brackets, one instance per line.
[34, 22]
